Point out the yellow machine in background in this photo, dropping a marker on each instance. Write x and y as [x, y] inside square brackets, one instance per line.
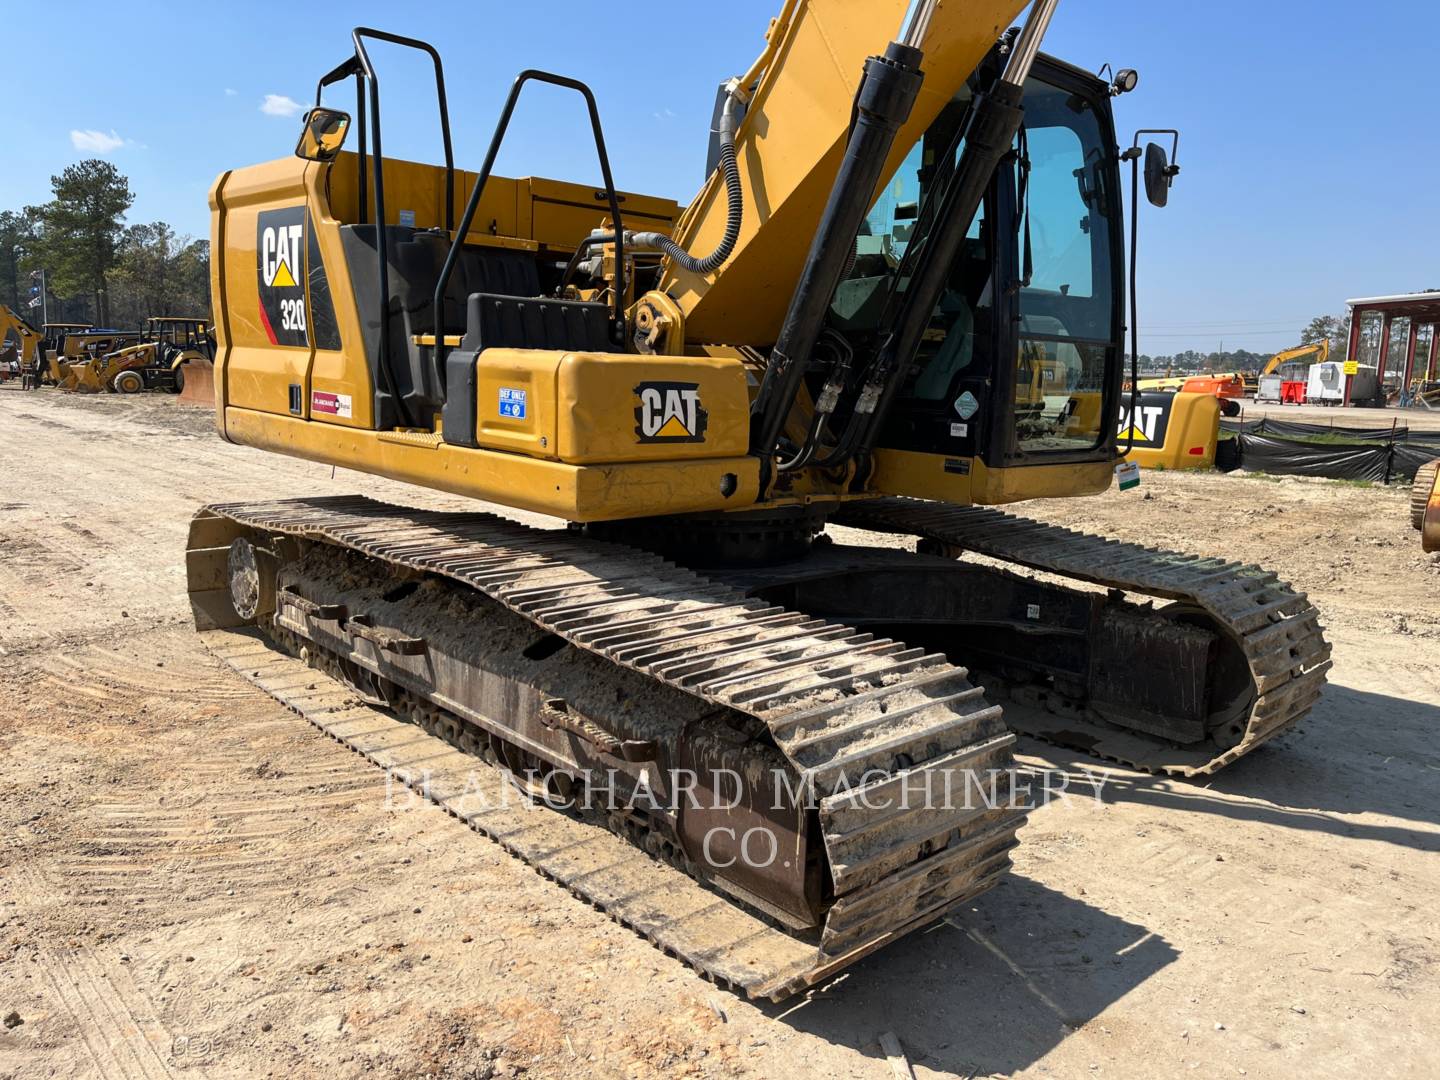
[898, 299]
[70, 365]
[52, 347]
[21, 349]
[158, 361]
[1171, 431]
[1319, 349]
[1425, 505]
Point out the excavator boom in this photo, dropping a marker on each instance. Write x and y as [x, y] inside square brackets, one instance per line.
[1319, 349]
[803, 92]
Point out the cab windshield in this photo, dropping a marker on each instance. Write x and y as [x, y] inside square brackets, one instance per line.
[1049, 223]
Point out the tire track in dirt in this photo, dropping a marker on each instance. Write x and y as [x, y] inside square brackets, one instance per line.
[228, 821]
[115, 1022]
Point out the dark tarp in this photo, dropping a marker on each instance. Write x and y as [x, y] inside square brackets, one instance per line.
[1409, 456]
[1335, 461]
[1247, 426]
[1286, 427]
[1425, 439]
[1381, 454]
[1227, 455]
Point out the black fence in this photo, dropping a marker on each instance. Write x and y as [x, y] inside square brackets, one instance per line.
[1284, 448]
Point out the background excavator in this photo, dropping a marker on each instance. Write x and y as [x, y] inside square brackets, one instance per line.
[1286, 367]
[1319, 349]
[898, 301]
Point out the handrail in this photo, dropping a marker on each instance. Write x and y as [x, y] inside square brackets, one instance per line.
[533, 75]
[364, 73]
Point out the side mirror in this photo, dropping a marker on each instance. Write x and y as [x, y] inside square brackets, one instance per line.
[323, 134]
[1159, 175]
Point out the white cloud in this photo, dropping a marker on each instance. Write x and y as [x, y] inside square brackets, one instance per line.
[230, 91]
[280, 105]
[96, 142]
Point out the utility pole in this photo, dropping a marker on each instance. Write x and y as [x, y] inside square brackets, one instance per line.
[42, 301]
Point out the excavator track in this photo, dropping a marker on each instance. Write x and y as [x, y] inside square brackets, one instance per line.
[1277, 628]
[856, 718]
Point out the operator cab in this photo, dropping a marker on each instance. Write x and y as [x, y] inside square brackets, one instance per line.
[1032, 308]
[179, 334]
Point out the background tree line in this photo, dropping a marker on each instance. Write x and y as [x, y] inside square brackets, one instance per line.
[98, 269]
[1334, 328]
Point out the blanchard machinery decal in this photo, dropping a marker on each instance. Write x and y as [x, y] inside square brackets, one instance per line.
[669, 412]
[331, 404]
[280, 255]
[1151, 419]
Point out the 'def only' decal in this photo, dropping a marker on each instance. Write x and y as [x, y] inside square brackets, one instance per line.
[280, 262]
[669, 412]
[1150, 422]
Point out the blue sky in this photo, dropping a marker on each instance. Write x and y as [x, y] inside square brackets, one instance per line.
[1308, 150]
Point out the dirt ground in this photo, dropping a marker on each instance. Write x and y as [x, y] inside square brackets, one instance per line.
[194, 881]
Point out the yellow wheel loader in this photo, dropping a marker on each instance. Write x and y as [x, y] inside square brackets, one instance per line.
[897, 303]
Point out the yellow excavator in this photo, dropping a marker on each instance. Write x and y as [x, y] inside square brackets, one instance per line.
[1319, 349]
[897, 303]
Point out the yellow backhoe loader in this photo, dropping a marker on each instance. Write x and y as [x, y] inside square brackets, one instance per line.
[21, 350]
[157, 361]
[897, 303]
[70, 364]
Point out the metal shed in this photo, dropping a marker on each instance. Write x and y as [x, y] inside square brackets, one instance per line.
[1421, 309]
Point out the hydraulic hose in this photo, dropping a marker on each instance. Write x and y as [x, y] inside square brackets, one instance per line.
[735, 198]
[883, 102]
[654, 241]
